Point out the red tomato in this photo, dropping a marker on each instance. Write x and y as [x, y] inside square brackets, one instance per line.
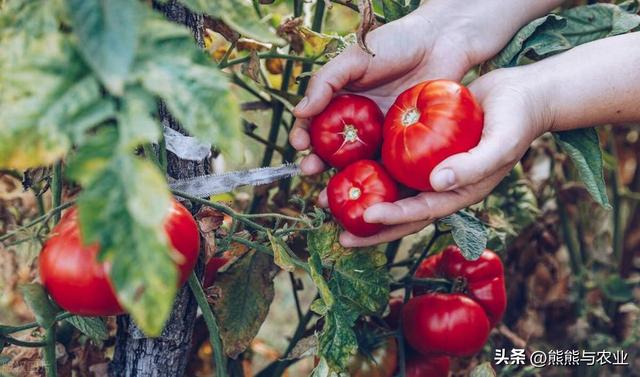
[349, 129]
[445, 324]
[427, 366]
[354, 189]
[80, 284]
[483, 278]
[379, 362]
[428, 123]
[211, 270]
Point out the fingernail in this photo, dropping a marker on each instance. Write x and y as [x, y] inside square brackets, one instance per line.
[302, 104]
[443, 180]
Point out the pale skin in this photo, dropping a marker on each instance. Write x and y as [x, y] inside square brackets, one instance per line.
[596, 83]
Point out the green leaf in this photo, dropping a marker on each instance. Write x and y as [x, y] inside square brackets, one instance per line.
[243, 294]
[324, 242]
[360, 279]
[583, 146]
[394, 9]
[468, 232]
[123, 208]
[315, 270]
[617, 289]
[93, 327]
[281, 253]
[43, 308]
[108, 36]
[523, 41]
[337, 341]
[198, 96]
[483, 370]
[597, 21]
[238, 14]
[136, 124]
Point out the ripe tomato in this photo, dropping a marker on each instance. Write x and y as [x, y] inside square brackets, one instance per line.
[483, 279]
[354, 189]
[445, 324]
[427, 366]
[428, 123]
[211, 270]
[380, 362]
[349, 129]
[79, 283]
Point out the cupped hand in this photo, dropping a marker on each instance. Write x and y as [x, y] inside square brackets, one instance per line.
[514, 115]
[406, 52]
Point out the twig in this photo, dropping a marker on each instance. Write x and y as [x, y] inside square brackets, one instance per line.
[50, 362]
[56, 186]
[39, 219]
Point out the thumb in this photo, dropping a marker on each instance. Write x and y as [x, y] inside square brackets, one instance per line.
[331, 78]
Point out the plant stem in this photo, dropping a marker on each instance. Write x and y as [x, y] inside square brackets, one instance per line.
[392, 250]
[56, 186]
[269, 55]
[618, 231]
[37, 220]
[50, 363]
[6, 330]
[294, 290]
[162, 154]
[212, 325]
[21, 343]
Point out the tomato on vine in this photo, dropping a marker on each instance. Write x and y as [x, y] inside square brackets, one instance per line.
[80, 284]
[348, 129]
[427, 366]
[356, 188]
[428, 123]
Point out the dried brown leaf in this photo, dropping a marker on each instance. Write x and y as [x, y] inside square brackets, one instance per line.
[367, 23]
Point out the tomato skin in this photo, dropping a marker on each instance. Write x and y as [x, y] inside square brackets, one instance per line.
[80, 284]
[445, 324]
[211, 270]
[448, 121]
[356, 188]
[383, 361]
[348, 129]
[427, 366]
[484, 278]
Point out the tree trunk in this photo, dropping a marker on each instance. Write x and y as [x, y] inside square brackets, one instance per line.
[166, 356]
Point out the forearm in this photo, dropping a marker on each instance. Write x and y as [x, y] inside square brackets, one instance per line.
[593, 84]
[487, 25]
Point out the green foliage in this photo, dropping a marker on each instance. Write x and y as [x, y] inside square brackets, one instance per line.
[483, 370]
[243, 293]
[357, 284]
[282, 255]
[94, 328]
[39, 302]
[583, 146]
[468, 232]
[394, 9]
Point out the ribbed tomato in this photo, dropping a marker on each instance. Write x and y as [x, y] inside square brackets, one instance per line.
[80, 284]
[445, 324]
[348, 129]
[428, 123]
[356, 188]
[482, 280]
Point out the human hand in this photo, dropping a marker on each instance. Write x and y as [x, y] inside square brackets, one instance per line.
[407, 51]
[515, 114]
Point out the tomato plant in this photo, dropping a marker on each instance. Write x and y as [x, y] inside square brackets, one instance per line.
[426, 124]
[481, 279]
[381, 361]
[80, 283]
[348, 129]
[354, 189]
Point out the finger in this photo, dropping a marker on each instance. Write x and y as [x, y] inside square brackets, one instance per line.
[312, 164]
[386, 235]
[323, 199]
[432, 205]
[333, 76]
[299, 137]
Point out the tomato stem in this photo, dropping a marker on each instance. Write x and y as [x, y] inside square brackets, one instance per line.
[410, 117]
[354, 193]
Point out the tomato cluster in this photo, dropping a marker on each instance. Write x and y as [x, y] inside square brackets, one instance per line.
[427, 123]
[456, 323]
[80, 283]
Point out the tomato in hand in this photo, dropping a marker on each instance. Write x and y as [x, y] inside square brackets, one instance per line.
[348, 129]
[427, 124]
[79, 283]
[445, 324]
[379, 362]
[482, 280]
[356, 188]
[427, 366]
